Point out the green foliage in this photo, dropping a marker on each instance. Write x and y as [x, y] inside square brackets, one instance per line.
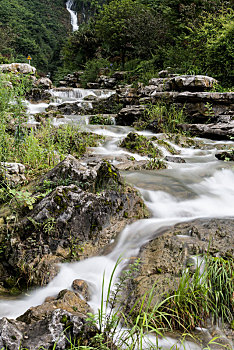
[126, 26]
[101, 120]
[92, 70]
[161, 118]
[210, 42]
[37, 149]
[140, 144]
[27, 28]
[200, 295]
[81, 46]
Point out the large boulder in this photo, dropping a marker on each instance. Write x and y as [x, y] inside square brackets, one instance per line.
[68, 108]
[216, 131]
[23, 68]
[192, 83]
[164, 258]
[86, 207]
[130, 114]
[58, 320]
[43, 83]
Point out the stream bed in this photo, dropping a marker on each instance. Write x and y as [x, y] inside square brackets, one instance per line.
[202, 187]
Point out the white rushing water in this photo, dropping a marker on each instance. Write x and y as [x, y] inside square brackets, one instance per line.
[202, 187]
[73, 14]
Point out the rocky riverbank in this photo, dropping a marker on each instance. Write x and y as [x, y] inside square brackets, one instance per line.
[78, 209]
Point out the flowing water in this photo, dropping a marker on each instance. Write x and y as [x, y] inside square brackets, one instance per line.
[73, 14]
[200, 188]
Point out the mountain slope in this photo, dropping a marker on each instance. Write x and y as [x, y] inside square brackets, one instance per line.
[33, 27]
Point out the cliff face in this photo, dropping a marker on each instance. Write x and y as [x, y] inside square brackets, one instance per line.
[34, 27]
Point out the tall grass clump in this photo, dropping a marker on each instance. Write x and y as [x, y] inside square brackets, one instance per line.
[162, 117]
[200, 295]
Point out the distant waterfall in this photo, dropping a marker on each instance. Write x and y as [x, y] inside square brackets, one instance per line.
[73, 14]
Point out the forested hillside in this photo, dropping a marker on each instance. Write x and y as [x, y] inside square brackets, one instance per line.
[35, 27]
[191, 36]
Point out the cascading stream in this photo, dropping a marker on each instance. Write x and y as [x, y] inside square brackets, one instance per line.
[201, 187]
[73, 14]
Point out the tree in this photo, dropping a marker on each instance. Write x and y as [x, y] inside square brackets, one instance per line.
[128, 26]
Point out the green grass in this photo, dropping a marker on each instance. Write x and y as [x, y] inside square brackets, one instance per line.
[162, 118]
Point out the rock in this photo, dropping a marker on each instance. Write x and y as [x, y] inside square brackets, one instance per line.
[75, 220]
[215, 131]
[158, 84]
[23, 68]
[56, 326]
[174, 159]
[37, 94]
[163, 73]
[140, 144]
[82, 288]
[132, 165]
[93, 85]
[192, 83]
[119, 75]
[43, 83]
[225, 156]
[75, 170]
[10, 335]
[107, 82]
[130, 114]
[68, 108]
[127, 95]
[66, 300]
[43, 117]
[72, 80]
[90, 98]
[165, 256]
[110, 105]
[13, 173]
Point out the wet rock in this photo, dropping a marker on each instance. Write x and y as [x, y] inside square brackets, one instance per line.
[65, 300]
[165, 256]
[225, 156]
[140, 144]
[107, 82]
[68, 108]
[93, 85]
[174, 159]
[90, 98]
[23, 68]
[72, 80]
[43, 83]
[13, 173]
[215, 131]
[82, 288]
[37, 94]
[130, 114]
[43, 117]
[73, 221]
[55, 326]
[102, 119]
[132, 165]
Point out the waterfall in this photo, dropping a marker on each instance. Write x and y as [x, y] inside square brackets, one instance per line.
[73, 15]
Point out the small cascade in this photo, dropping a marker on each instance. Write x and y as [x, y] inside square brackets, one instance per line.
[73, 14]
